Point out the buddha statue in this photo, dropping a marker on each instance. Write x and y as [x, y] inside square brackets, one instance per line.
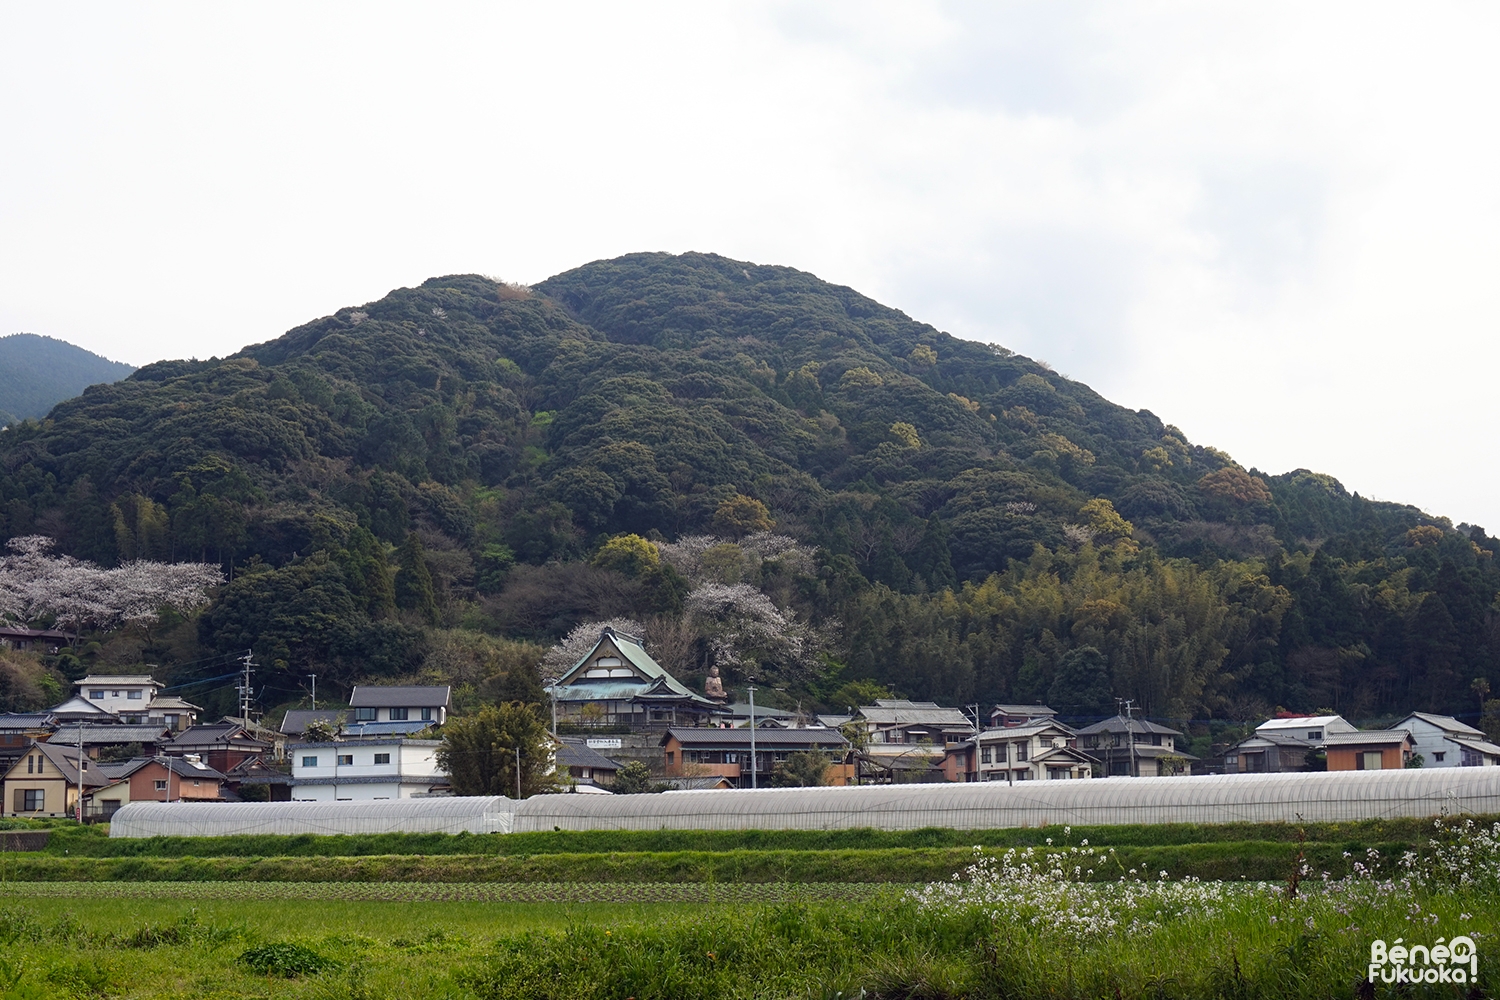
[714, 687]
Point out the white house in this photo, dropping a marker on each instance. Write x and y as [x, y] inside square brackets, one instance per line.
[399, 703]
[128, 696]
[393, 768]
[1443, 741]
[1038, 752]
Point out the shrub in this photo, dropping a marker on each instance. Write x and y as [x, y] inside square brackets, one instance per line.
[285, 959]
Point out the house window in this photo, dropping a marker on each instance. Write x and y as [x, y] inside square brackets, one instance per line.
[309, 762]
[669, 758]
[28, 763]
[1023, 751]
[1438, 756]
[398, 715]
[33, 800]
[161, 784]
[1368, 760]
[96, 693]
[1470, 758]
[426, 715]
[1315, 734]
[134, 695]
[382, 758]
[195, 782]
[1022, 775]
[346, 759]
[364, 715]
[984, 755]
[1156, 739]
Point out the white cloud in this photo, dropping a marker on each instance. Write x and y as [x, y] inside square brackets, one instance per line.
[1273, 225]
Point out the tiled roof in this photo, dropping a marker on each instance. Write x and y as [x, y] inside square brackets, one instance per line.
[25, 720]
[15, 632]
[706, 736]
[1365, 736]
[117, 680]
[98, 733]
[216, 734]
[178, 766]
[572, 754]
[370, 730]
[1483, 746]
[1446, 723]
[1118, 725]
[1023, 710]
[65, 762]
[399, 696]
[298, 719]
[659, 683]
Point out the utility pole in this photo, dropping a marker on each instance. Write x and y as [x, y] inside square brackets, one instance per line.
[314, 691]
[246, 660]
[753, 782]
[78, 810]
[975, 707]
[1127, 713]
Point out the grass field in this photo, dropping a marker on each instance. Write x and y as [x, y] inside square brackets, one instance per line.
[1140, 912]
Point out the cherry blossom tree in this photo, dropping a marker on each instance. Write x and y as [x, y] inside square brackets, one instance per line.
[74, 594]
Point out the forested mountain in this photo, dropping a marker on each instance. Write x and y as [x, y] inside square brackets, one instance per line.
[37, 373]
[446, 481]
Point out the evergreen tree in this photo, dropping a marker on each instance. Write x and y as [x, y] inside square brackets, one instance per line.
[932, 560]
[414, 581]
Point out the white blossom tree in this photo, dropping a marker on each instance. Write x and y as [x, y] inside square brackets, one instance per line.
[74, 594]
[745, 628]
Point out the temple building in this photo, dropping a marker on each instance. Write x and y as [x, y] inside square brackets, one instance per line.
[617, 683]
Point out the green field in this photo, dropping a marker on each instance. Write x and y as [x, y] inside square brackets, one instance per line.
[1142, 912]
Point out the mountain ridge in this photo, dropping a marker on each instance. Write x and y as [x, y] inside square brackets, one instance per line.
[37, 372]
[512, 432]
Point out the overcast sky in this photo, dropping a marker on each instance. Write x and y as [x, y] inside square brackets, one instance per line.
[1274, 225]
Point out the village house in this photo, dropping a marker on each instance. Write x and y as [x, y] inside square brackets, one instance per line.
[1134, 748]
[153, 779]
[34, 640]
[617, 683]
[296, 720]
[393, 767]
[1368, 750]
[126, 696]
[1011, 716]
[1286, 743]
[44, 781]
[400, 703]
[105, 736]
[897, 720]
[1443, 741]
[222, 745]
[585, 765]
[1043, 751]
[21, 729]
[708, 752]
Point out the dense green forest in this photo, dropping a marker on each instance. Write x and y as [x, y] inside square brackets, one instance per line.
[37, 373]
[837, 498]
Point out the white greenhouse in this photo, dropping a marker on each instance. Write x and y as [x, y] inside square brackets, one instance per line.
[222, 819]
[1340, 796]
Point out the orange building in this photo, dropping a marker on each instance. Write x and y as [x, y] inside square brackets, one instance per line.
[1368, 750]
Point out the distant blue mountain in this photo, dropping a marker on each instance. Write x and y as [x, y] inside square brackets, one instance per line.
[37, 373]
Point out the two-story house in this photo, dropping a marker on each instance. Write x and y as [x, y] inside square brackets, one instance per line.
[378, 768]
[897, 720]
[1042, 751]
[44, 780]
[125, 696]
[1135, 748]
[153, 779]
[1443, 741]
[1285, 743]
[399, 703]
[222, 745]
[702, 751]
